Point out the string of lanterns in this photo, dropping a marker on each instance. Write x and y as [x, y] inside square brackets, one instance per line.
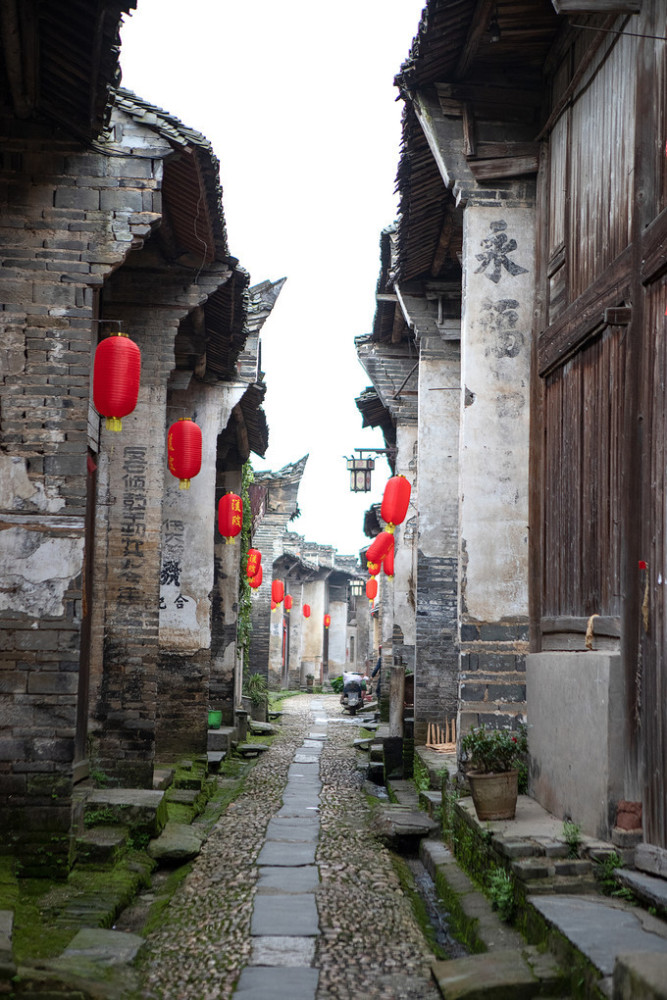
[380, 553]
[116, 380]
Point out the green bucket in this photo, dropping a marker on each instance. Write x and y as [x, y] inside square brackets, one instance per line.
[214, 720]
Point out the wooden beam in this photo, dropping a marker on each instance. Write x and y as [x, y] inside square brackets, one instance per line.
[478, 26]
[442, 249]
[506, 166]
[654, 249]
[597, 6]
[585, 316]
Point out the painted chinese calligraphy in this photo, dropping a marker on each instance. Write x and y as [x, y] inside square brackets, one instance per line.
[501, 318]
[133, 529]
[495, 255]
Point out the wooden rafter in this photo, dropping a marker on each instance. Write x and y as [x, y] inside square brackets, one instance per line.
[478, 26]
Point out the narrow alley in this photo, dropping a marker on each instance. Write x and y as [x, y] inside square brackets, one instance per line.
[291, 890]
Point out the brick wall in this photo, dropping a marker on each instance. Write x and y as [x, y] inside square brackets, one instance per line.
[65, 225]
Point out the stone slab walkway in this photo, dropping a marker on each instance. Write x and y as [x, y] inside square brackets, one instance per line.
[284, 919]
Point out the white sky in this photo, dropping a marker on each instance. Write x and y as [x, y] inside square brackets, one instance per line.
[297, 99]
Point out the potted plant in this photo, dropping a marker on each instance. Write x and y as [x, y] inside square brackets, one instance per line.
[257, 689]
[310, 678]
[492, 759]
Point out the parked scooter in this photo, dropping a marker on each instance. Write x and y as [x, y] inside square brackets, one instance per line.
[352, 698]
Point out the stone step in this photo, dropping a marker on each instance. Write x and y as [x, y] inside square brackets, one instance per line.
[650, 889]
[162, 778]
[396, 823]
[177, 844]
[500, 974]
[221, 739]
[215, 759]
[262, 728]
[376, 751]
[101, 845]
[251, 749]
[405, 792]
[142, 810]
[431, 802]
[364, 744]
[601, 928]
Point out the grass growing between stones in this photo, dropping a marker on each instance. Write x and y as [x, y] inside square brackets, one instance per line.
[47, 914]
[419, 910]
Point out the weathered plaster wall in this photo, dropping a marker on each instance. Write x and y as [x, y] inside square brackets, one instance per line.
[187, 577]
[499, 250]
[496, 323]
[313, 631]
[337, 638]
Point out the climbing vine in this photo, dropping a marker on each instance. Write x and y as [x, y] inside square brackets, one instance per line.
[244, 624]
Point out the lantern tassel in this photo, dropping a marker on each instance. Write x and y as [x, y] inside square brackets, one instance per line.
[184, 484]
[391, 528]
[114, 424]
[229, 540]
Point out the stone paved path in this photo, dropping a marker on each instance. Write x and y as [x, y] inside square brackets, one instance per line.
[292, 896]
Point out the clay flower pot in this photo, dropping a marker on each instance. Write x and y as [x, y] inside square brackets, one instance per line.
[494, 794]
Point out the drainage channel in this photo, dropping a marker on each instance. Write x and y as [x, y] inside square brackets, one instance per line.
[437, 915]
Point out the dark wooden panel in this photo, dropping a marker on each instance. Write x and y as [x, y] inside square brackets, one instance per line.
[584, 401]
[584, 316]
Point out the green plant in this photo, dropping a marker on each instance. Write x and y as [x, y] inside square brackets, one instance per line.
[604, 872]
[493, 750]
[501, 893]
[572, 837]
[256, 688]
[337, 684]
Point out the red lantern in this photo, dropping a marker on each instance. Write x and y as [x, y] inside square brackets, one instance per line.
[230, 517]
[373, 568]
[379, 547]
[256, 580]
[371, 589]
[116, 374]
[395, 501]
[288, 602]
[388, 563]
[254, 563]
[184, 451]
[277, 591]
[327, 621]
[306, 611]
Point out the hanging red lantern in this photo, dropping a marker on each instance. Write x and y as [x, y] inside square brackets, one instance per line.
[256, 580]
[288, 602]
[373, 568]
[388, 563]
[116, 373]
[254, 563]
[327, 621]
[379, 547]
[277, 591]
[371, 589]
[184, 451]
[395, 501]
[230, 517]
[306, 611]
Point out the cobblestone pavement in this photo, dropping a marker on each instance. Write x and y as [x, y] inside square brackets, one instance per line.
[369, 944]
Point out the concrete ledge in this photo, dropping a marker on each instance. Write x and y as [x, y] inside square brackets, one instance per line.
[638, 976]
